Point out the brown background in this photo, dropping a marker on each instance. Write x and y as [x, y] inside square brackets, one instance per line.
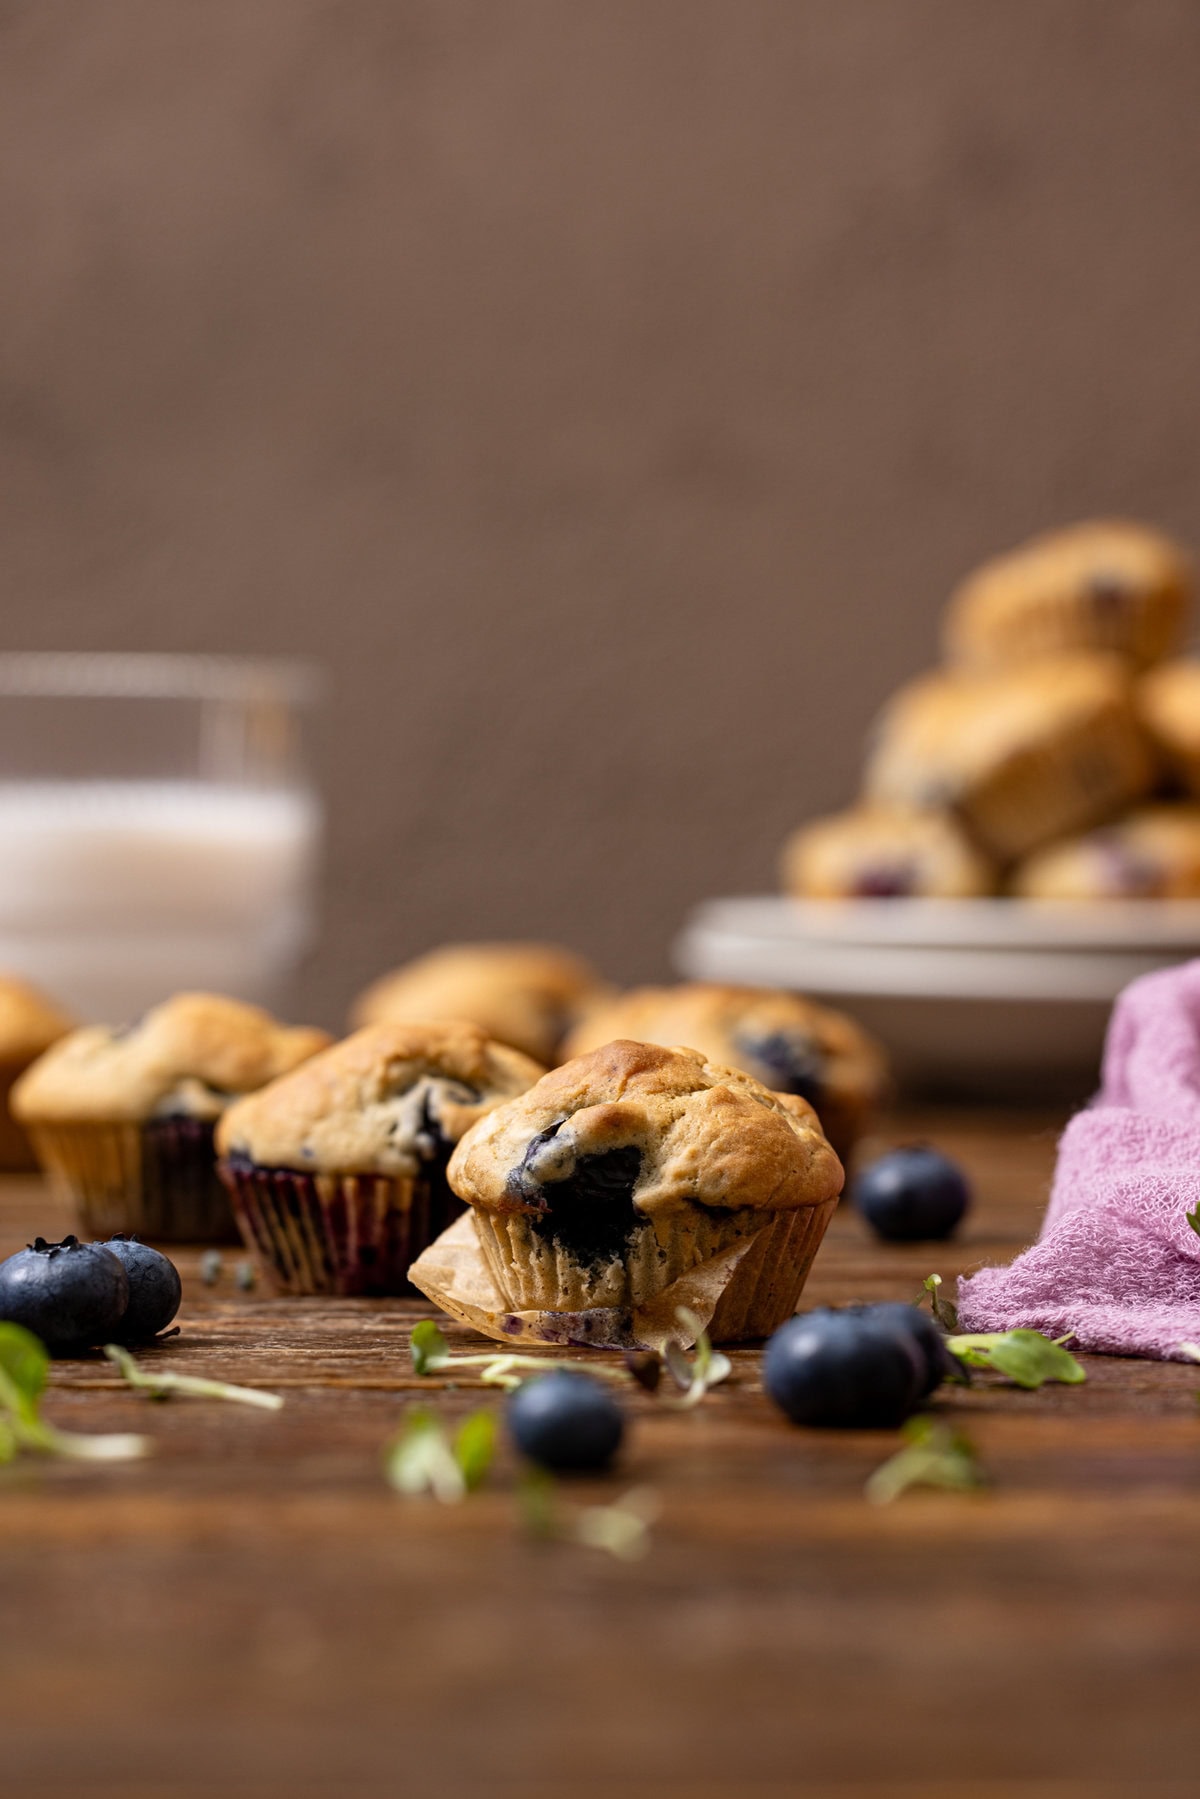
[607, 392]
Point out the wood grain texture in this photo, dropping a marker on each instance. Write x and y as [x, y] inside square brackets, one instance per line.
[253, 1612]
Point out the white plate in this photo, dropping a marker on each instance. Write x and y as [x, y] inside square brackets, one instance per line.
[988, 996]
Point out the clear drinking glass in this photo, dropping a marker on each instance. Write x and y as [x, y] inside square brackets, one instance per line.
[159, 828]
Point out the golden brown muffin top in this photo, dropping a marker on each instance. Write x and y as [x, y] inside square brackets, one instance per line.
[1168, 701]
[29, 1022]
[949, 729]
[378, 1102]
[882, 852]
[192, 1054]
[1153, 853]
[786, 1042]
[699, 1135]
[523, 994]
[1098, 574]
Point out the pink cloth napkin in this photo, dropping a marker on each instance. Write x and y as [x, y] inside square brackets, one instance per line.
[1117, 1262]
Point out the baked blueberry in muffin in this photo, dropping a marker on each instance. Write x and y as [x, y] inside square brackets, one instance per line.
[626, 1168]
[122, 1119]
[524, 994]
[338, 1171]
[787, 1043]
[875, 852]
[1106, 584]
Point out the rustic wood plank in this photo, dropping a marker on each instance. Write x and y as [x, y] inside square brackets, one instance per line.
[253, 1612]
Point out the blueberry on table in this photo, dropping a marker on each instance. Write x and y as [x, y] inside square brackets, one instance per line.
[565, 1422]
[912, 1195]
[845, 1370]
[155, 1289]
[70, 1294]
[920, 1328]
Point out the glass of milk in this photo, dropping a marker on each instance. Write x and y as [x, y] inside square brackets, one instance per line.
[158, 827]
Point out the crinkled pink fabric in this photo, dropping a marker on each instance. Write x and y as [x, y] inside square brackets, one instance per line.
[1117, 1262]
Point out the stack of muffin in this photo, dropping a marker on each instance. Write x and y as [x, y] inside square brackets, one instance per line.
[595, 1185]
[1054, 755]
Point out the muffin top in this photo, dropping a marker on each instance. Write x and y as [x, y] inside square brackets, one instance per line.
[787, 1043]
[662, 1130]
[1154, 853]
[948, 730]
[523, 994]
[381, 1102]
[190, 1056]
[29, 1022]
[878, 852]
[1168, 702]
[1105, 583]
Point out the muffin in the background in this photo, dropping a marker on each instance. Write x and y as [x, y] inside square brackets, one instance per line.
[1106, 584]
[877, 852]
[1154, 853]
[527, 995]
[29, 1024]
[787, 1043]
[338, 1171]
[624, 1169]
[1020, 756]
[1168, 704]
[123, 1120]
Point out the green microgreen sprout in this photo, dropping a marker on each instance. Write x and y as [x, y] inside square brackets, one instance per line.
[211, 1263]
[24, 1362]
[933, 1455]
[1193, 1218]
[422, 1459]
[1025, 1357]
[621, 1529]
[246, 1277]
[500, 1368]
[707, 1368]
[162, 1385]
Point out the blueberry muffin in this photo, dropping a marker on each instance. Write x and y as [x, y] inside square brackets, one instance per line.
[29, 1024]
[1153, 853]
[626, 1168]
[1168, 703]
[787, 1043]
[338, 1171]
[1019, 757]
[1102, 585]
[525, 994]
[123, 1120]
[876, 852]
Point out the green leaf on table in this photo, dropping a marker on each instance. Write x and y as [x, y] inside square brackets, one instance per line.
[23, 1365]
[622, 1529]
[707, 1367]
[536, 1488]
[161, 1383]
[933, 1455]
[944, 1311]
[1193, 1218]
[428, 1347]
[1024, 1357]
[475, 1448]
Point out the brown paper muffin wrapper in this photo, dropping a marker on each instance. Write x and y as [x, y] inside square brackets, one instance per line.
[1086, 773]
[348, 1235]
[745, 1287]
[16, 1151]
[156, 1180]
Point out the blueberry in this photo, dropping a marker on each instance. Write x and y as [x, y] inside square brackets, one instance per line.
[920, 1328]
[70, 1294]
[844, 1369]
[155, 1289]
[912, 1195]
[566, 1422]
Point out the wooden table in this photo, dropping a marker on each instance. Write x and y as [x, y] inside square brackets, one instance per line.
[253, 1612]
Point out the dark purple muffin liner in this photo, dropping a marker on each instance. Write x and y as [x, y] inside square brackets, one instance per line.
[183, 1197]
[349, 1235]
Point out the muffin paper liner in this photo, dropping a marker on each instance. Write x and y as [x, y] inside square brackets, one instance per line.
[348, 1235]
[740, 1282]
[157, 1180]
[16, 1151]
